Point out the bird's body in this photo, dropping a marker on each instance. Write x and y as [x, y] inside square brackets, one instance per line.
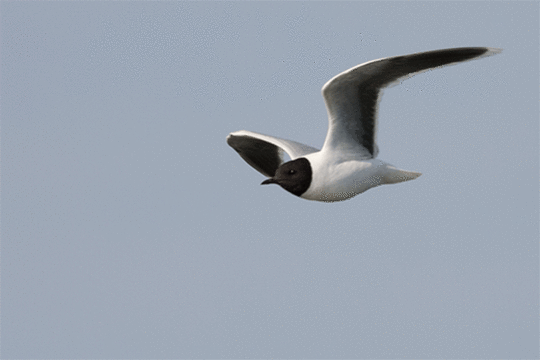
[346, 165]
[347, 176]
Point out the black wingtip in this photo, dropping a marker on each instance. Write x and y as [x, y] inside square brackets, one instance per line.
[261, 155]
[230, 139]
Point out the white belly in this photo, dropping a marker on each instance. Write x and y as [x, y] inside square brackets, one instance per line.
[344, 179]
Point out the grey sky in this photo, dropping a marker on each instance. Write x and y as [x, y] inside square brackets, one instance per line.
[131, 230]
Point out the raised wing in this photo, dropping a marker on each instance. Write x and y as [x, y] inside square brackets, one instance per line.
[265, 153]
[352, 97]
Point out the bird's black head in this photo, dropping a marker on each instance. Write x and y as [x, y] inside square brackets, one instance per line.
[294, 176]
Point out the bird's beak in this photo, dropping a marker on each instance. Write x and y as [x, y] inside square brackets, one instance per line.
[268, 181]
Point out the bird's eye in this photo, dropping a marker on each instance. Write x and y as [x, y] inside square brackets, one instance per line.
[292, 172]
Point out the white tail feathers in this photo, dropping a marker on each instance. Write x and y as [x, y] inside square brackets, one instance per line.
[394, 175]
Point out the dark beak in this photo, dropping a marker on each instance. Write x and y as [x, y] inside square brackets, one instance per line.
[268, 181]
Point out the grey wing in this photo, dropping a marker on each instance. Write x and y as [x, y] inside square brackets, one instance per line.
[352, 97]
[265, 153]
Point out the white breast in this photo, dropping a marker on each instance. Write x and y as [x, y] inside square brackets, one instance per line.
[337, 178]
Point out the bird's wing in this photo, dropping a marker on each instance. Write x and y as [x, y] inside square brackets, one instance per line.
[265, 153]
[352, 97]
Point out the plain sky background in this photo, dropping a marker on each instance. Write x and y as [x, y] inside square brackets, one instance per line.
[131, 230]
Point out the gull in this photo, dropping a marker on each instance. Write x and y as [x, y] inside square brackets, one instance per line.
[347, 164]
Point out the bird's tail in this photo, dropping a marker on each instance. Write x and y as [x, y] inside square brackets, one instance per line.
[394, 175]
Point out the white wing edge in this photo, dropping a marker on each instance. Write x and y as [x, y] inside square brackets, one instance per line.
[349, 74]
[489, 52]
[292, 148]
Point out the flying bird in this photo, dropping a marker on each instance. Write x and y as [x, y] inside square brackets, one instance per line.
[347, 164]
